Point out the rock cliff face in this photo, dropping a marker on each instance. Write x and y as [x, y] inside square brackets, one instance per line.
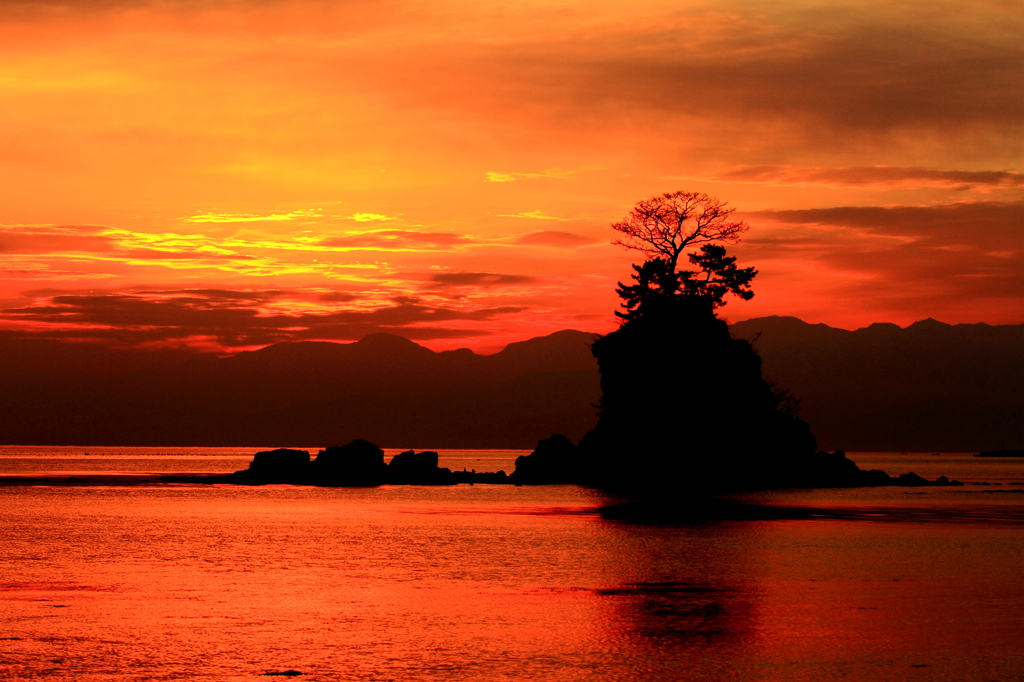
[554, 460]
[684, 405]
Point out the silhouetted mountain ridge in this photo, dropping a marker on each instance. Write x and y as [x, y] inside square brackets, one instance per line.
[383, 387]
[929, 386]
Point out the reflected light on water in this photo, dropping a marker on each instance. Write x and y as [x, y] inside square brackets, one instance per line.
[488, 583]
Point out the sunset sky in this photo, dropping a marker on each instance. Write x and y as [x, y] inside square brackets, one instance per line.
[225, 175]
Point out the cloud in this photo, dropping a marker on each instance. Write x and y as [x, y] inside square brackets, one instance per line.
[254, 218]
[872, 176]
[69, 252]
[370, 217]
[406, 240]
[46, 271]
[338, 297]
[479, 279]
[555, 238]
[216, 296]
[739, 78]
[974, 225]
[11, 242]
[53, 239]
[512, 177]
[233, 319]
[959, 256]
[534, 215]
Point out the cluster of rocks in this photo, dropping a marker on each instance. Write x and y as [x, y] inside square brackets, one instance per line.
[358, 464]
[1001, 453]
[836, 470]
[556, 460]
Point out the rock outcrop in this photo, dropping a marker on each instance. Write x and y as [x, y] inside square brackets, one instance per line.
[360, 463]
[418, 468]
[1001, 453]
[279, 466]
[557, 460]
[554, 460]
[685, 409]
[357, 464]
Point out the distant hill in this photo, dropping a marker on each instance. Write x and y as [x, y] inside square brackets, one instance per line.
[928, 387]
[931, 386]
[384, 388]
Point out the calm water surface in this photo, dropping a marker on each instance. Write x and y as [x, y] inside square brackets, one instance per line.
[45, 460]
[499, 582]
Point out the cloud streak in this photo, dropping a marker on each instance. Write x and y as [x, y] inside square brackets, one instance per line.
[960, 257]
[234, 319]
[533, 215]
[512, 177]
[556, 238]
[303, 213]
[397, 240]
[975, 225]
[370, 217]
[878, 177]
[479, 279]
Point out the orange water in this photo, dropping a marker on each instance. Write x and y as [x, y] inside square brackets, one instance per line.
[504, 583]
[48, 460]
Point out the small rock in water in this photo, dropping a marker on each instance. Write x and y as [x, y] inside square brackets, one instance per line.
[286, 673]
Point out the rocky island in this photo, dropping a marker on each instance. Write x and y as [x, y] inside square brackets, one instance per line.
[685, 410]
[1001, 453]
[555, 460]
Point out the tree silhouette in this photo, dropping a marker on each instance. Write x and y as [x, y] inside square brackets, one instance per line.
[666, 226]
[718, 276]
[684, 405]
[654, 279]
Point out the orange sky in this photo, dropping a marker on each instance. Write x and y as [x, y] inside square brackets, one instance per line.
[231, 174]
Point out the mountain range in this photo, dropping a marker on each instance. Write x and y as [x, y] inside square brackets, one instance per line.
[927, 387]
[930, 386]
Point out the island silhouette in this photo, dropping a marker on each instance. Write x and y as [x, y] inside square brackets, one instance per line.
[929, 387]
[685, 410]
[555, 460]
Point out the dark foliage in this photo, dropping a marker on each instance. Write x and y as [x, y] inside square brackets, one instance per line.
[717, 276]
[684, 404]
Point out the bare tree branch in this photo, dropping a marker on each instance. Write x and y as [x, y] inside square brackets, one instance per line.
[665, 226]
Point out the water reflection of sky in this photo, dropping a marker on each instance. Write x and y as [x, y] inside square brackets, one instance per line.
[491, 583]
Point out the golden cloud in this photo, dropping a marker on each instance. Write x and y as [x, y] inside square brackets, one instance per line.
[254, 218]
[511, 177]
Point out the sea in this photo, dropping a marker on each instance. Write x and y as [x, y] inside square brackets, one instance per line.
[118, 576]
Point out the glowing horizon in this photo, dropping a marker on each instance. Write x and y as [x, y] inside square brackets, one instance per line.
[224, 175]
